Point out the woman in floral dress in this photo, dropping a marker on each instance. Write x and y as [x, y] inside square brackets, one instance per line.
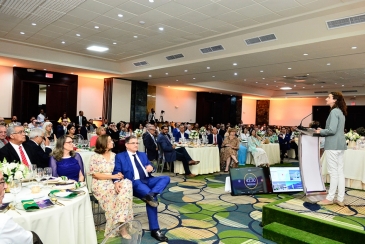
[229, 149]
[118, 207]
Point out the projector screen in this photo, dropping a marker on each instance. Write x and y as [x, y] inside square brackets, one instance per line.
[286, 179]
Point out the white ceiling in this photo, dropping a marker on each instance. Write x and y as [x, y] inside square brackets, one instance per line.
[189, 25]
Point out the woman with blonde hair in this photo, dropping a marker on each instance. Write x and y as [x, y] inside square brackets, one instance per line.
[117, 206]
[99, 131]
[229, 149]
[48, 131]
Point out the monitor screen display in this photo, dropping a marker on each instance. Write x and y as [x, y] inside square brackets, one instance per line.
[248, 181]
[286, 179]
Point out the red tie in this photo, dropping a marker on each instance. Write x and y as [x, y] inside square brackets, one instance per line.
[215, 139]
[24, 159]
[4, 141]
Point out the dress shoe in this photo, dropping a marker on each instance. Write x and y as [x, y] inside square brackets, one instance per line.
[158, 235]
[325, 202]
[190, 176]
[341, 204]
[192, 162]
[150, 200]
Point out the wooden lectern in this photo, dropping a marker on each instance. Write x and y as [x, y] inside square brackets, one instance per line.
[309, 162]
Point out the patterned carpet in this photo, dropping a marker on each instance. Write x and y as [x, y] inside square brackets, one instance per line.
[200, 211]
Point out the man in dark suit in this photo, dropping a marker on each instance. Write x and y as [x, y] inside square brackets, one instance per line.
[36, 137]
[3, 140]
[15, 150]
[181, 133]
[62, 128]
[284, 143]
[135, 166]
[150, 143]
[171, 154]
[215, 138]
[221, 130]
[80, 122]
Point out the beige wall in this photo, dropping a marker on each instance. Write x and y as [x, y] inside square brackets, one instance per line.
[6, 81]
[121, 104]
[90, 97]
[248, 110]
[179, 106]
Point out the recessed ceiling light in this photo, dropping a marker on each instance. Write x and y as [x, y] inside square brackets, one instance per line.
[305, 54]
[343, 85]
[221, 93]
[307, 74]
[14, 64]
[274, 80]
[114, 43]
[353, 47]
[328, 63]
[166, 73]
[234, 64]
[149, 75]
[244, 79]
[151, 1]
[142, 22]
[289, 68]
[295, 85]
[213, 76]
[120, 15]
[263, 78]
[194, 78]
[284, 76]
[177, 80]
[161, 28]
[186, 70]
[96, 27]
[322, 86]
[72, 73]
[314, 84]
[335, 83]
[78, 35]
[285, 88]
[168, 86]
[261, 71]
[135, 36]
[303, 87]
[34, 24]
[256, 82]
[316, 97]
[267, 84]
[63, 42]
[235, 73]
[354, 96]
[44, 69]
[97, 48]
[22, 33]
[208, 67]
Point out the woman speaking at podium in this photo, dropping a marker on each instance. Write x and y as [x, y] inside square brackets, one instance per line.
[335, 146]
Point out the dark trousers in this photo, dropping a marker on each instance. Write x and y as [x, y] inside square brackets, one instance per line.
[183, 155]
[294, 146]
[282, 153]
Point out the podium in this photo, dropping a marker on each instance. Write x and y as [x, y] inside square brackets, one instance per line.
[309, 163]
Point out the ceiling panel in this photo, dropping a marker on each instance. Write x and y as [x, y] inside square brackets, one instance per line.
[193, 17]
[134, 8]
[230, 17]
[213, 10]
[174, 9]
[113, 3]
[254, 11]
[96, 6]
[155, 4]
[276, 6]
[83, 14]
[193, 4]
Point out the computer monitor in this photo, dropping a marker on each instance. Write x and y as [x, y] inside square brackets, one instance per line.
[286, 179]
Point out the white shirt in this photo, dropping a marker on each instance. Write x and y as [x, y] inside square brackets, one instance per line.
[80, 120]
[215, 138]
[188, 132]
[12, 233]
[245, 136]
[135, 170]
[16, 148]
[40, 118]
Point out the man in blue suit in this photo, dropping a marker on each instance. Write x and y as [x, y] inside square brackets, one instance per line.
[171, 154]
[284, 143]
[181, 133]
[215, 138]
[135, 166]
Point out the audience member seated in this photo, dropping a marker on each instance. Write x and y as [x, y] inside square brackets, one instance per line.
[189, 128]
[230, 146]
[176, 130]
[3, 140]
[254, 146]
[245, 134]
[135, 166]
[41, 157]
[284, 140]
[61, 129]
[14, 121]
[171, 153]
[71, 131]
[35, 124]
[113, 132]
[11, 232]
[90, 126]
[2, 121]
[273, 138]
[64, 117]
[215, 139]
[221, 130]
[65, 161]
[150, 143]
[48, 131]
[15, 151]
[293, 144]
[99, 131]
[181, 133]
[118, 207]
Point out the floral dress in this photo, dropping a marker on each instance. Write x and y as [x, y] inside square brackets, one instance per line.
[117, 207]
[227, 152]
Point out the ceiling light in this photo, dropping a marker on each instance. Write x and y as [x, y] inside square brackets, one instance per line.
[14, 64]
[303, 87]
[285, 88]
[274, 80]
[186, 70]
[72, 73]
[194, 78]
[208, 67]
[234, 64]
[289, 68]
[353, 47]
[151, 1]
[166, 73]
[160, 28]
[335, 83]
[244, 79]
[63, 42]
[142, 22]
[149, 75]
[120, 15]
[307, 74]
[44, 69]
[305, 54]
[256, 82]
[261, 71]
[135, 36]
[34, 24]
[96, 27]
[114, 43]
[263, 78]
[322, 86]
[213, 76]
[168, 86]
[97, 48]
[177, 80]
[78, 35]
[343, 85]
[316, 97]
[235, 73]
[267, 84]
[295, 85]
[328, 63]
[22, 33]
[284, 76]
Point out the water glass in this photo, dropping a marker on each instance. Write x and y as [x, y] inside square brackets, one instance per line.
[39, 174]
[47, 173]
[15, 187]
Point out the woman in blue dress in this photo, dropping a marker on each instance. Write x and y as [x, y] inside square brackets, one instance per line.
[242, 151]
[65, 161]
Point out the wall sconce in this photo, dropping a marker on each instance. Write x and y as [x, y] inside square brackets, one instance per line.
[176, 106]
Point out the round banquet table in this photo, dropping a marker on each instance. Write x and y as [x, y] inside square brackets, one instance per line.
[208, 157]
[72, 223]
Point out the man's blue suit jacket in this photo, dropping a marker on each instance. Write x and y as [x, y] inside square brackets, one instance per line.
[124, 165]
[166, 146]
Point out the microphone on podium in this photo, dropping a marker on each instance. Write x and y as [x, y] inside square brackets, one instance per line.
[300, 127]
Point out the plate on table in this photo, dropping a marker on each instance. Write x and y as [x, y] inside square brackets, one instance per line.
[65, 194]
[42, 203]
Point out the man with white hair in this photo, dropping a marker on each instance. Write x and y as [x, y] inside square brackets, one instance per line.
[36, 137]
[3, 140]
[11, 232]
[15, 150]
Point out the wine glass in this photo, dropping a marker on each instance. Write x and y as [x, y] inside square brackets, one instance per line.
[34, 171]
[39, 175]
[47, 173]
[15, 187]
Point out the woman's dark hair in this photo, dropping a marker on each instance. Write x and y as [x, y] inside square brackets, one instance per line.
[340, 102]
[101, 144]
[69, 126]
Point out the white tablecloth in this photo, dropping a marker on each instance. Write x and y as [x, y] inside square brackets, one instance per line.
[86, 155]
[90, 135]
[72, 223]
[273, 153]
[354, 168]
[208, 157]
[141, 147]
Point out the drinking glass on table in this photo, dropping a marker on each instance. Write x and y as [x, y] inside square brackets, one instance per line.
[39, 175]
[15, 187]
[47, 173]
[33, 171]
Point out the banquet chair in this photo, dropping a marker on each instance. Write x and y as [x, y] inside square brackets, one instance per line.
[97, 211]
[134, 229]
[161, 159]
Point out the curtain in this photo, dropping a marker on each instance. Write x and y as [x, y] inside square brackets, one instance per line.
[107, 98]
